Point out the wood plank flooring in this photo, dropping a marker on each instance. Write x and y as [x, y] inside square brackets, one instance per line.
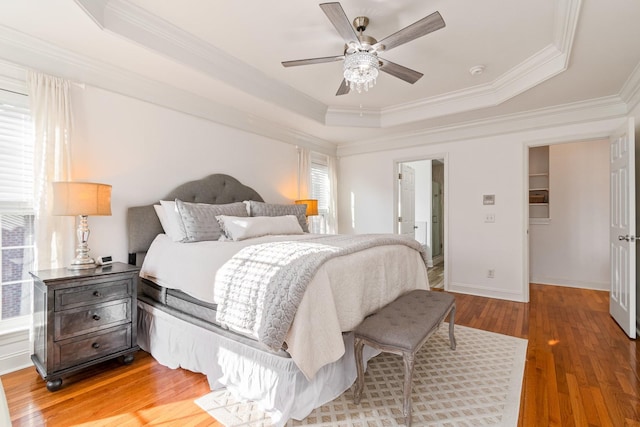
[581, 370]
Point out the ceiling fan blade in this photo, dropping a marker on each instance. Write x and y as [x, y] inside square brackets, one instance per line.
[339, 19]
[343, 89]
[312, 61]
[420, 28]
[399, 71]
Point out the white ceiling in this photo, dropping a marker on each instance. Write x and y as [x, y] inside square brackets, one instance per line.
[536, 54]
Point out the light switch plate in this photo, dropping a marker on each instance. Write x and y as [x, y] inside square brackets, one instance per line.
[488, 199]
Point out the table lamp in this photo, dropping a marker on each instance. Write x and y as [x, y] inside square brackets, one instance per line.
[312, 206]
[81, 199]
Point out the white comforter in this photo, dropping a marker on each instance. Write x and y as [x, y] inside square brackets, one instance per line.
[344, 291]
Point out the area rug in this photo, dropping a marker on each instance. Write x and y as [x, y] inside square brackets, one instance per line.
[478, 384]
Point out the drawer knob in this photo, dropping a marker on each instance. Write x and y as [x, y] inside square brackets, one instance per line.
[97, 294]
[96, 317]
[95, 345]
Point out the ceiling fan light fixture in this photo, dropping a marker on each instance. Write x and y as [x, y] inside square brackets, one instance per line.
[361, 70]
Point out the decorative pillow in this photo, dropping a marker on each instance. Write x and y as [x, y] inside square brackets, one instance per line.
[171, 221]
[240, 228]
[270, 209]
[199, 219]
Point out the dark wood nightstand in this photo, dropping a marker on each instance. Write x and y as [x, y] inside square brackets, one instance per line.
[83, 317]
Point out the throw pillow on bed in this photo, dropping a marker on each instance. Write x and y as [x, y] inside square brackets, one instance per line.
[199, 219]
[271, 209]
[240, 228]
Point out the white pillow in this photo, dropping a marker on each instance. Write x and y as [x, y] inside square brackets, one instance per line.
[172, 221]
[240, 228]
[160, 212]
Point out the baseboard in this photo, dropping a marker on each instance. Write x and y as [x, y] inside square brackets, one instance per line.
[596, 286]
[15, 351]
[485, 291]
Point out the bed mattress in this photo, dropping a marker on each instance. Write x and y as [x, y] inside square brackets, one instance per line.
[192, 310]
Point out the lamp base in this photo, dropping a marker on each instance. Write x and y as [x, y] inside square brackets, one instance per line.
[82, 264]
[82, 261]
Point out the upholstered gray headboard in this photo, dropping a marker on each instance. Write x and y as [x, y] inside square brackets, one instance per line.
[143, 224]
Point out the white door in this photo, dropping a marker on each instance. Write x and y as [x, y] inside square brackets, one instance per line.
[622, 237]
[407, 208]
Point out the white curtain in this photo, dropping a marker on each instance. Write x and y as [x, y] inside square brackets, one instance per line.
[332, 217]
[304, 173]
[51, 111]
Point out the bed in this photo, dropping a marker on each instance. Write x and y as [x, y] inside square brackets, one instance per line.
[220, 308]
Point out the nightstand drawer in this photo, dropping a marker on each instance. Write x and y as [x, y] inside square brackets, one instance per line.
[82, 349]
[92, 293]
[78, 321]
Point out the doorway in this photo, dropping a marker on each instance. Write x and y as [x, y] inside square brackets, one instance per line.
[421, 211]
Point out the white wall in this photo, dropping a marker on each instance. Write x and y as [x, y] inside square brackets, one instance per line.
[476, 166]
[573, 248]
[144, 151]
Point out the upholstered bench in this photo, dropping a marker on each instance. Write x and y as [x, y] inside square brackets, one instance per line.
[402, 327]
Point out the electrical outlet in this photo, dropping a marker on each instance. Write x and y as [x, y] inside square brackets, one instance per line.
[490, 217]
[491, 273]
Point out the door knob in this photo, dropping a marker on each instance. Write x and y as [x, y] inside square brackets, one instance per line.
[629, 238]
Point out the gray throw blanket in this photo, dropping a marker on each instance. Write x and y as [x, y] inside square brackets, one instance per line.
[259, 290]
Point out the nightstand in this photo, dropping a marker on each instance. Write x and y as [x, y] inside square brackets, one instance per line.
[83, 317]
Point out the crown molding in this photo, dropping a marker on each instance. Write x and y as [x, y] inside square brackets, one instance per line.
[630, 91]
[601, 109]
[136, 24]
[140, 26]
[543, 65]
[25, 51]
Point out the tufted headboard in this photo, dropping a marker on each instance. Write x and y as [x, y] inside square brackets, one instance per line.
[143, 224]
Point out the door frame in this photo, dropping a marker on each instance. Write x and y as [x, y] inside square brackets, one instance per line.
[584, 137]
[444, 157]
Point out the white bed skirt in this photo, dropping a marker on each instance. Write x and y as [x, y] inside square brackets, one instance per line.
[274, 382]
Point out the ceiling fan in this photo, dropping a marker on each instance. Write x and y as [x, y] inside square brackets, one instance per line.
[361, 60]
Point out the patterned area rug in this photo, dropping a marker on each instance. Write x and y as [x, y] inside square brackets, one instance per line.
[478, 384]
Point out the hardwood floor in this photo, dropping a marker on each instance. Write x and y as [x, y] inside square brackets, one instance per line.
[581, 370]
[436, 276]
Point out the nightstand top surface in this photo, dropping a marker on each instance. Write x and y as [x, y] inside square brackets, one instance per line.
[66, 273]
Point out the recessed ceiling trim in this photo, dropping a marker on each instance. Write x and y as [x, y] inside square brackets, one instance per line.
[585, 112]
[152, 32]
[142, 27]
[29, 52]
[366, 118]
[548, 62]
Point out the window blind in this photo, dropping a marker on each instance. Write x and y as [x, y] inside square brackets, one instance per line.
[320, 183]
[16, 154]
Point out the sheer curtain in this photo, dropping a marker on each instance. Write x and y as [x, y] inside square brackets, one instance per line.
[51, 112]
[332, 216]
[304, 173]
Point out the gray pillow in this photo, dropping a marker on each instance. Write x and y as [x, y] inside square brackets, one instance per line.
[199, 219]
[270, 209]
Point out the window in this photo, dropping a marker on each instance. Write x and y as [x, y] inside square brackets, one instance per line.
[320, 190]
[16, 206]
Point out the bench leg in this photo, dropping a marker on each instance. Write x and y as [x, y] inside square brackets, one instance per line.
[408, 379]
[357, 394]
[452, 317]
